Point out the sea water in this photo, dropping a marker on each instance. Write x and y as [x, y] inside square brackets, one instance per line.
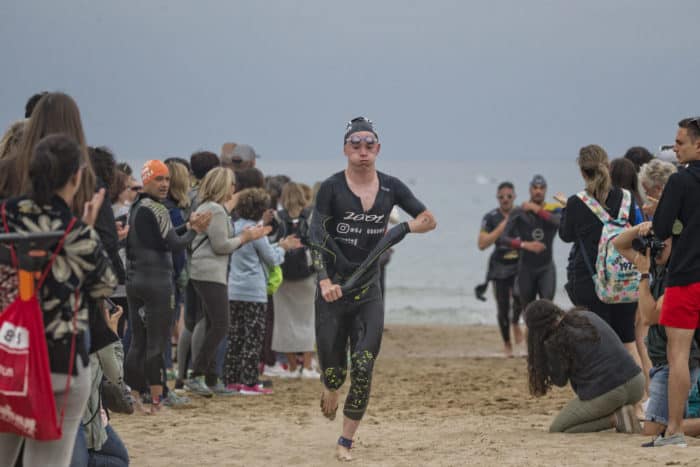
[431, 277]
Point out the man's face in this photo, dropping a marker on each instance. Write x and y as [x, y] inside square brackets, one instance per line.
[158, 187]
[506, 197]
[537, 193]
[362, 149]
[685, 148]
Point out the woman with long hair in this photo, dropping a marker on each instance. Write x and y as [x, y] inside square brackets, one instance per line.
[54, 177]
[580, 226]
[294, 330]
[580, 348]
[55, 112]
[624, 175]
[206, 290]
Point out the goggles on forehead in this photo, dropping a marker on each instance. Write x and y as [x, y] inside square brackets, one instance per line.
[357, 140]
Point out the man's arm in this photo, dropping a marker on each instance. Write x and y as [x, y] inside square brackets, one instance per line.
[668, 208]
[423, 220]
[488, 234]
[511, 236]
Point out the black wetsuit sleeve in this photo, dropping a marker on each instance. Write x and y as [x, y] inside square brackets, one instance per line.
[177, 243]
[511, 234]
[324, 249]
[406, 200]
[393, 236]
[150, 234]
[668, 208]
[567, 231]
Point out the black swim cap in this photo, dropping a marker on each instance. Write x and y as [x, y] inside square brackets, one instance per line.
[359, 124]
[538, 180]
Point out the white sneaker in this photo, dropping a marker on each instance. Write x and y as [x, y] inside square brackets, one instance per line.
[273, 371]
[310, 374]
[289, 374]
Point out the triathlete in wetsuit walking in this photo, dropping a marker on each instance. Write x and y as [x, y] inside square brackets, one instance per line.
[348, 228]
[531, 228]
[503, 266]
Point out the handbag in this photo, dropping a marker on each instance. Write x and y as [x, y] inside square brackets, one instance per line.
[27, 404]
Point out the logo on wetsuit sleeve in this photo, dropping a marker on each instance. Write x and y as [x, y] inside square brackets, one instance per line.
[538, 234]
[362, 217]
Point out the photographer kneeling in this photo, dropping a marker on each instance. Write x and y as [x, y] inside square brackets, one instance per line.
[650, 256]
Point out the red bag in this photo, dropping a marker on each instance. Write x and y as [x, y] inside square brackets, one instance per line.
[27, 404]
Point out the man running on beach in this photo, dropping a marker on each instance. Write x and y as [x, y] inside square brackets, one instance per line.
[532, 228]
[348, 228]
[503, 266]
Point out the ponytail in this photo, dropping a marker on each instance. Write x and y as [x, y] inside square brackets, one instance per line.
[56, 158]
[593, 161]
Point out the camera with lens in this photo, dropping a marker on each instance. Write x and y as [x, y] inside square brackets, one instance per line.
[650, 242]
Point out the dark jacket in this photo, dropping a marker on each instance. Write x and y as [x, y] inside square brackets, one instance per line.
[681, 201]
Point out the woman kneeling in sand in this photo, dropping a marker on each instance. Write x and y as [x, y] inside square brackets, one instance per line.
[580, 347]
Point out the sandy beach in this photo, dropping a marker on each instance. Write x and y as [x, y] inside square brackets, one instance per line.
[441, 396]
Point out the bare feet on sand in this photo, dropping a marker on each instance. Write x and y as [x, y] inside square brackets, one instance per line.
[342, 453]
[518, 334]
[329, 403]
[508, 350]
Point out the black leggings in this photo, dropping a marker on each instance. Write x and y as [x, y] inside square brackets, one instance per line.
[358, 320]
[150, 334]
[540, 282]
[212, 297]
[503, 290]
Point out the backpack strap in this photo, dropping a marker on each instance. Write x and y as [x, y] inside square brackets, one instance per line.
[624, 214]
[594, 206]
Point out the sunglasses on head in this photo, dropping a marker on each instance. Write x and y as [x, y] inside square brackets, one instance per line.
[357, 140]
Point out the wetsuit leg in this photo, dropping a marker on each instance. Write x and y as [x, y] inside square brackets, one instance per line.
[502, 290]
[547, 282]
[134, 370]
[527, 282]
[366, 330]
[332, 330]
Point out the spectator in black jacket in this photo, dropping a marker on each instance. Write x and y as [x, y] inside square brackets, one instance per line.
[678, 212]
[580, 226]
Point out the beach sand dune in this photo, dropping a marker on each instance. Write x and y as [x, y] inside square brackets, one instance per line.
[441, 397]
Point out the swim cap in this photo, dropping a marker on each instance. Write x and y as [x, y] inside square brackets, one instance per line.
[152, 169]
[359, 124]
[538, 180]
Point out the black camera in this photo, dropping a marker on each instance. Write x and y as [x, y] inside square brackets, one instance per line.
[650, 242]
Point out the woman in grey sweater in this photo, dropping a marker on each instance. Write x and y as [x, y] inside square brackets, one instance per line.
[207, 282]
[580, 347]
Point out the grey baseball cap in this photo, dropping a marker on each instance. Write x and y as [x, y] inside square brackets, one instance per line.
[244, 153]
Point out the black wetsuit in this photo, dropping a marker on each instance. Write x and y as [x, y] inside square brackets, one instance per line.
[503, 269]
[346, 244]
[149, 286]
[536, 271]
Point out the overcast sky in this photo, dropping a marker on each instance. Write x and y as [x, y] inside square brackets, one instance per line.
[442, 79]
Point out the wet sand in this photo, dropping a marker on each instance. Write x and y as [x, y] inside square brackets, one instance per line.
[441, 396]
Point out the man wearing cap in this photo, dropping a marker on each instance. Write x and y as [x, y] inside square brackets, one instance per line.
[149, 246]
[532, 228]
[347, 231]
[238, 156]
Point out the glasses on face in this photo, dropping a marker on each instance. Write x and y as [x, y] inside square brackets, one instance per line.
[356, 141]
[136, 188]
[502, 197]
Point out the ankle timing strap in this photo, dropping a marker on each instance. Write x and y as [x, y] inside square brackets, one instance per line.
[346, 443]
